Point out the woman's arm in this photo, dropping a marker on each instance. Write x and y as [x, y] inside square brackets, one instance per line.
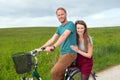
[85, 54]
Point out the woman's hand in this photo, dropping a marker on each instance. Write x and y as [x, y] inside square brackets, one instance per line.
[75, 48]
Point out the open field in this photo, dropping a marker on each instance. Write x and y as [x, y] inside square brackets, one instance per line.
[106, 51]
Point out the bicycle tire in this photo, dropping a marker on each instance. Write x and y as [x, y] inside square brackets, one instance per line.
[76, 75]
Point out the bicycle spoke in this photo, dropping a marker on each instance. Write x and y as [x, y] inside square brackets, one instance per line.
[76, 75]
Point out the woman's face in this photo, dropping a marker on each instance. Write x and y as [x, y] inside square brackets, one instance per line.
[80, 29]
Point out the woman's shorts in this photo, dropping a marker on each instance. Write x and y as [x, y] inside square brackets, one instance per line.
[84, 64]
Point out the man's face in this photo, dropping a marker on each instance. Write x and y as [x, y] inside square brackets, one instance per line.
[61, 15]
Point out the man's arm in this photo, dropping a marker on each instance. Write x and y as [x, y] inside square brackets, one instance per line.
[50, 41]
[62, 38]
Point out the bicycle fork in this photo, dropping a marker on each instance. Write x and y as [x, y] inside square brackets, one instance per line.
[67, 75]
[35, 74]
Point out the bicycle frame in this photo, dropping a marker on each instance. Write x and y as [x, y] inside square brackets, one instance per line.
[66, 74]
[35, 72]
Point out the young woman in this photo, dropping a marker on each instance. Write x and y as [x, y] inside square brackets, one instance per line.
[84, 49]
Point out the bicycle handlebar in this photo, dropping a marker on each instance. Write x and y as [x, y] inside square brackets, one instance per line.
[35, 52]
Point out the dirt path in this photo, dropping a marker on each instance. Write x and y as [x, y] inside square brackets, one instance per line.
[109, 74]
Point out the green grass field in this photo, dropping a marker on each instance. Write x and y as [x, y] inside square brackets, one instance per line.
[106, 51]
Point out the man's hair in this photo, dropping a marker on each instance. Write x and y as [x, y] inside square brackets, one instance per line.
[61, 8]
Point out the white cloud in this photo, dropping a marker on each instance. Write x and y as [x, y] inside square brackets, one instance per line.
[28, 21]
[15, 13]
[106, 18]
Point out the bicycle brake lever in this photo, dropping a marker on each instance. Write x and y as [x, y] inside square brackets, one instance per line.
[43, 48]
[33, 52]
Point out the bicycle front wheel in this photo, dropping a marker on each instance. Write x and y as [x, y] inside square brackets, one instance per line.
[76, 75]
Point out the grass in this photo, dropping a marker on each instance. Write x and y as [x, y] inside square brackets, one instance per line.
[106, 47]
[13, 40]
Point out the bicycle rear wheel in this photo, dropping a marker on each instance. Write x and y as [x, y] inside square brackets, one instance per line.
[76, 75]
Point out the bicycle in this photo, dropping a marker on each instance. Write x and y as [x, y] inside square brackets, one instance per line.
[72, 73]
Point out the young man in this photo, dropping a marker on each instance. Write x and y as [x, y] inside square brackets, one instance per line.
[65, 36]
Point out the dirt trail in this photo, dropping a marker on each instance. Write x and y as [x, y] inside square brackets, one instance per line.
[109, 74]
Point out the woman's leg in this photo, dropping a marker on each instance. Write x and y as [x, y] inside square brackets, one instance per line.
[84, 77]
[58, 71]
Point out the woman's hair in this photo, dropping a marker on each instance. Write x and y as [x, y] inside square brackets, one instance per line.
[61, 8]
[85, 35]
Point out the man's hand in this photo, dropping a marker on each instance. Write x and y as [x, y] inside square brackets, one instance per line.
[49, 49]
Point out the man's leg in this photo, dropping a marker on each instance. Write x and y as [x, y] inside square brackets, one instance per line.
[59, 68]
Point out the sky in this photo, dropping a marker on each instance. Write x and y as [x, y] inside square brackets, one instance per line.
[29, 13]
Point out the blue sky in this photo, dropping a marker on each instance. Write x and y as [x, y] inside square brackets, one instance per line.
[25, 13]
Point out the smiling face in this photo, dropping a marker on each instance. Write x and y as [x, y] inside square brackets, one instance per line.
[61, 15]
[80, 29]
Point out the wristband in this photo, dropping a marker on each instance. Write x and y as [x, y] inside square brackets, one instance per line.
[43, 48]
[54, 47]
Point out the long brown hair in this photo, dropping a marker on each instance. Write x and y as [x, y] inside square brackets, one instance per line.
[85, 35]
